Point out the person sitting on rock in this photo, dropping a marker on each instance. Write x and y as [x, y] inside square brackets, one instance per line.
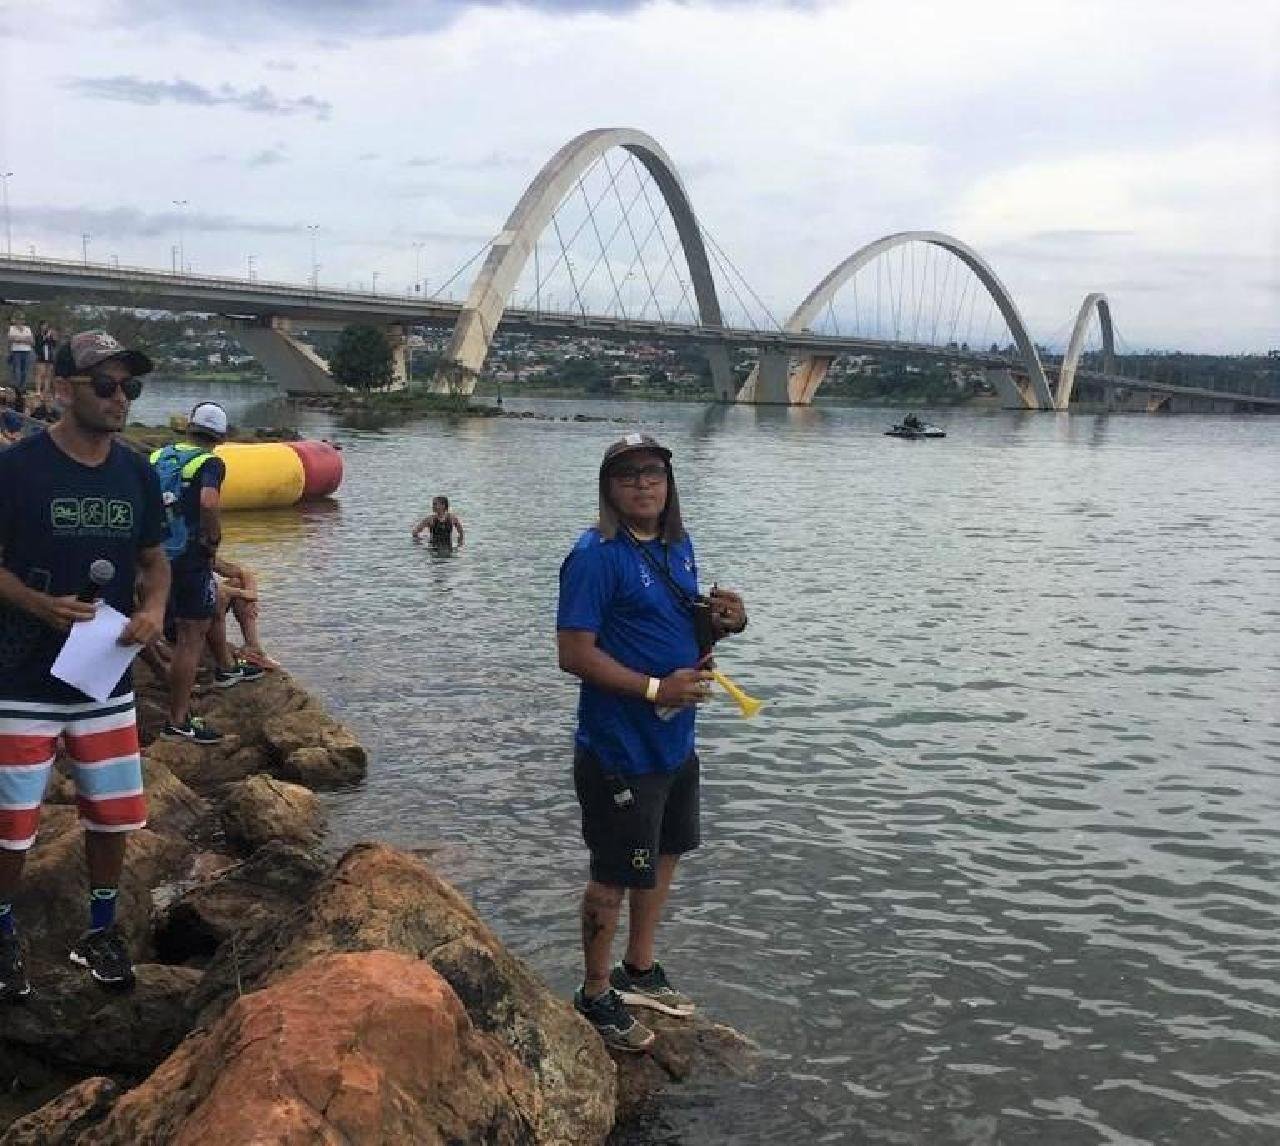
[70, 499]
[237, 594]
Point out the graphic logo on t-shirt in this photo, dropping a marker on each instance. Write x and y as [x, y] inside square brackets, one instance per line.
[65, 513]
[94, 516]
[641, 859]
[120, 515]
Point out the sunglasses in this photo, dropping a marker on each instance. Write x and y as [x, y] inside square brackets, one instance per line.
[104, 385]
[631, 475]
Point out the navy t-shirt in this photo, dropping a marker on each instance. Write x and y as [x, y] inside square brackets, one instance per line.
[58, 516]
[608, 588]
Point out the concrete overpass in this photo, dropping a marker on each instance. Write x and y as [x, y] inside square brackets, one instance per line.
[268, 318]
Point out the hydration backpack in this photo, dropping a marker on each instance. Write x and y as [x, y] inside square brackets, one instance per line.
[176, 466]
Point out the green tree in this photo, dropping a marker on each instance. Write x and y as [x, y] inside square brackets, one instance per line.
[362, 358]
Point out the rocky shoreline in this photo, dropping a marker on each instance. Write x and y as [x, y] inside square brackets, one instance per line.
[286, 997]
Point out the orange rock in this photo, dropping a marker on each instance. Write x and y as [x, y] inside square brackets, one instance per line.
[360, 1048]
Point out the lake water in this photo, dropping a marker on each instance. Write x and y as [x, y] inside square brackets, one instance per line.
[999, 861]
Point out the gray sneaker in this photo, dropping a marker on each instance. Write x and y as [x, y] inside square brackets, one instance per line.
[651, 990]
[613, 1021]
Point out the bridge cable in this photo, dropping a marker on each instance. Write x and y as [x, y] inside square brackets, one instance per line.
[706, 233]
[488, 243]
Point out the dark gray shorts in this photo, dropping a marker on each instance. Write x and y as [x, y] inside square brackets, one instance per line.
[625, 837]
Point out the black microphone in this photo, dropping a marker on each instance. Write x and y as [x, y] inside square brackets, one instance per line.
[101, 574]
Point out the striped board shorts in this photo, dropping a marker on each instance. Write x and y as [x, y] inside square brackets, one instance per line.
[101, 740]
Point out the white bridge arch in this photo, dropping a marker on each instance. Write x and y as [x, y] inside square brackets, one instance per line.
[1075, 347]
[802, 382]
[512, 249]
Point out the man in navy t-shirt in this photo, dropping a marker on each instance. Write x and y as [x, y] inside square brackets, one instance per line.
[70, 498]
[626, 627]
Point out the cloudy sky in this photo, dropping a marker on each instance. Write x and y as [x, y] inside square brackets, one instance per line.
[1130, 146]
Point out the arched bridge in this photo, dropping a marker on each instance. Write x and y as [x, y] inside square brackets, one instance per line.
[794, 357]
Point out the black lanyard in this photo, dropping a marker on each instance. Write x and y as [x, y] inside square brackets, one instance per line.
[663, 570]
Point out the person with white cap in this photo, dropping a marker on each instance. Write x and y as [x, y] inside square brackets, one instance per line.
[632, 626]
[191, 477]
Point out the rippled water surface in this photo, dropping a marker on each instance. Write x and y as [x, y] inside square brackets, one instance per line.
[999, 861]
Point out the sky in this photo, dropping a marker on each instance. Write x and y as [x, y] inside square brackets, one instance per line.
[1124, 146]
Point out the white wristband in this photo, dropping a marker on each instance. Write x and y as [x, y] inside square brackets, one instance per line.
[651, 689]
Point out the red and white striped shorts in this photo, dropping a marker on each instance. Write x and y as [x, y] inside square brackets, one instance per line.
[101, 739]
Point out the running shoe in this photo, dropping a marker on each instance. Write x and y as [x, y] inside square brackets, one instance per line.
[13, 971]
[652, 990]
[193, 729]
[241, 671]
[615, 1024]
[104, 953]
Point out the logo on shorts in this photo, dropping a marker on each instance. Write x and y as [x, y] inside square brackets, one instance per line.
[641, 859]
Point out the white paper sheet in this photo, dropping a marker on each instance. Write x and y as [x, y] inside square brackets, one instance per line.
[92, 659]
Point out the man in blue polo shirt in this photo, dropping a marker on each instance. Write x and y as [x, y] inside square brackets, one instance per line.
[628, 628]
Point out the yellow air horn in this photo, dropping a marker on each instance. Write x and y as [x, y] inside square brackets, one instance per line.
[748, 704]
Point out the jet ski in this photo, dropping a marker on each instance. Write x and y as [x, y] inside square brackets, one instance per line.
[915, 430]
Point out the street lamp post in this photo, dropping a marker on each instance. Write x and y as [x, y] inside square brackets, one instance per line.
[5, 176]
[417, 268]
[84, 246]
[375, 282]
[253, 274]
[182, 235]
[314, 228]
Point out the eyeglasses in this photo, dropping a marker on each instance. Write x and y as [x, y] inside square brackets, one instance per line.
[104, 385]
[631, 475]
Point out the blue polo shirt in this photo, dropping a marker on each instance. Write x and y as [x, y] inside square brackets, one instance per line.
[607, 588]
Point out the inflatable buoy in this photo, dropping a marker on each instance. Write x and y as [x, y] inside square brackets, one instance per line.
[264, 475]
[321, 468]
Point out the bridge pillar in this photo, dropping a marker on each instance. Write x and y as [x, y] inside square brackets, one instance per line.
[397, 336]
[808, 376]
[773, 376]
[1015, 393]
[291, 363]
[721, 372]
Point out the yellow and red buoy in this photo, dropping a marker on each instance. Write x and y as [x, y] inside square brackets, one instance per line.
[267, 475]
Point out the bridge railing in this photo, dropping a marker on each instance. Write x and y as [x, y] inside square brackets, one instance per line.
[153, 275]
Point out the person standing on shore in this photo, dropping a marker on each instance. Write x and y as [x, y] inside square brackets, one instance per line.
[21, 343]
[46, 347]
[191, 477]
[625, 627]
[70, 498]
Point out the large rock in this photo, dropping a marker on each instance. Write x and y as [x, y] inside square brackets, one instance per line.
[296, 739]
[684, 1049]
[379, 898]
[70, 1022]
[265, 888]
[261, 808]
[368, 1048]
[65, 1120]
[207, 768]
[52, 904]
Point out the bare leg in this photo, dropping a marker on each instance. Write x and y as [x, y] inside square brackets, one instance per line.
[646, 911]
[222, 654]
[247, 619]
[601, 906]
[183, 666]
[104, 857]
